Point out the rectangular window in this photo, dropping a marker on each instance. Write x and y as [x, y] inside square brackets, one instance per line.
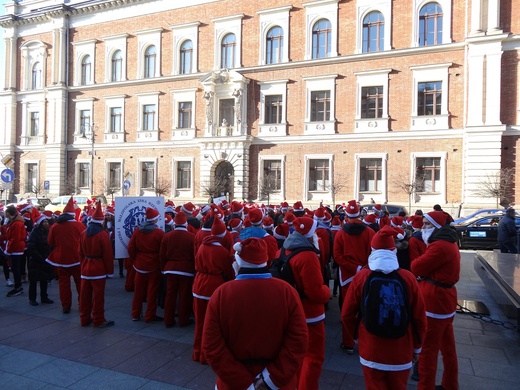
[371, 175]
[114, 175]
[372, 102]
[184, 115]
[428, 175]
[429, 98]
[318, 175]
[147, 175]
[226, 112]
[84, 174]
[35, 124]
[149, 117]
[84, 122]
[183, 175]
[32, 178]
[320, 106]
[273, 109]
[115, 119]
[272, 177]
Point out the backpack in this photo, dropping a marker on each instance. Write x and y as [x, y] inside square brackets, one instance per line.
[385, 305]
[281, 268]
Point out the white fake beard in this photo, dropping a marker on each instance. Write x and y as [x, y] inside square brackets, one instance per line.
[236, 267]
[426, 234]
[109, 225]
[315, 241]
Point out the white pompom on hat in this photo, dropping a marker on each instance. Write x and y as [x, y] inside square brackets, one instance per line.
[251, 253]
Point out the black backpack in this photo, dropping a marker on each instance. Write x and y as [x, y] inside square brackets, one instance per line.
[385, 305]
[281, 268]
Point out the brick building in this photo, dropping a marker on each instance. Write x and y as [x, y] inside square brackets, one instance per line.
[319, 101]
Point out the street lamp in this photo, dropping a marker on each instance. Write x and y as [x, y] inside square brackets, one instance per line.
[91, 136]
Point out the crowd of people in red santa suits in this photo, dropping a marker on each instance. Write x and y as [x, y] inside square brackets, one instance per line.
[194, 256]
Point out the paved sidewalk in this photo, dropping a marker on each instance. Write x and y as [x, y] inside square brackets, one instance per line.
[41, 348]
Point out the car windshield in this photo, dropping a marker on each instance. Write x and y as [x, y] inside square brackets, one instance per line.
[57, 201]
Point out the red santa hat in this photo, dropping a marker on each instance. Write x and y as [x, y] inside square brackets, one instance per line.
[37, 217]
[235, 223]
[255, 216]
[401, 234]
[289, 218]
[97, 215]
[397, 221]
[281, 232]
[352, 209]
[319, 214]
[57, 213]
[437, 218]
[180, 219]
[25, 207]
[247, 222]
[336, 223]
[218, 228]
[168, 220]
[151, 214]
[47, 213]
[384, 239]
[169, 207]
[251, 253]
[110, 210]
[378, 207]
[417, 221]
[26, 215]
[327, 217]
[188, 208]
[268, 223]
[298, 206]
[370, 219]
[69, 207]
[206, 209]
[305, 226]
[284, 206]
[236, 207]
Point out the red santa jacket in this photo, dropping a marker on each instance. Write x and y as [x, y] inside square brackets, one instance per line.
[176, 253]
[16, 235]
[95, 252]
[439, 268]
[213, 264]
[379, 352]
[325, 236]
[416, 246]
[227, 240]
[307, 273]
[144, 247]
[352, 248]
[64, 240]
[255, 324]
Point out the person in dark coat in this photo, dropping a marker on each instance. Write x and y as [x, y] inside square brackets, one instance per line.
[507, 235]
[37, 251]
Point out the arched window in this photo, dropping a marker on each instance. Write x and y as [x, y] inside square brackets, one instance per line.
[373, 32]
[186, 57]
[430, 25]
[117, 66]
[149, 61]
[227, 51]
[86, 69]
[36, 76]
[321, 39]
[274, 45]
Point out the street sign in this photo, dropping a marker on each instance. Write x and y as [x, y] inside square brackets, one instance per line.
[127, 184]
[46, 185]
[6, 186]
[8, 161]
[7, 175]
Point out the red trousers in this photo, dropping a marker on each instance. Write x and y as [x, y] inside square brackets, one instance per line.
[313, 361]
[199, 309]
[439, 337]
[178, 286]
[92, 301]
[346, 338]
[64, 274]
[146, 286]
[385, 380]
[130, 275]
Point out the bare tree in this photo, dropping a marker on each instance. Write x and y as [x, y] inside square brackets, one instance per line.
[337, 185]
[37, 188]
[162, 187]
[410, 187]
[269, 185]
[216, 187]
[70, 186]
[498, 185]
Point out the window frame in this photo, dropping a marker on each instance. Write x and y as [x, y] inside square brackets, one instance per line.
[315, 84]
[439, 197]
[270, 18]
[365, 7]
[180, 96]
[116, 66]
[108, 173]
[181, 34]
[150, 62]
[36, 169]
[140, 188]
[447, 9]
[323, 194]
[113, 44]
[314, 12]
[317, 34]
[32, 52]
[116, 101]
[228, 51]
[146, 39]
[424, 31]
[36, 76]
[83, 174]
[86, 70]
[271, 88]
[270, 58]
[82, 105]
[280, 194]
[148, 99]
[183, 192]
[223, 26]
[381, 196]
[380, 33]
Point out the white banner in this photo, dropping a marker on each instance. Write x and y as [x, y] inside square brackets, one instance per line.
[130, 212]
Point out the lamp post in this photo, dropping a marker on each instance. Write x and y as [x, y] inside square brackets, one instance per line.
[91, 136]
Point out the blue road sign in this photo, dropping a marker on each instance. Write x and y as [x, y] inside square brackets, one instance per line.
[127, 184]
[7, 175]
[46, 185]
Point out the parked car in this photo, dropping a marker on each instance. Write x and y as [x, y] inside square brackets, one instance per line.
[41, 203]
[479, 212]
[59, 203]
[481, 231]
[392, 209]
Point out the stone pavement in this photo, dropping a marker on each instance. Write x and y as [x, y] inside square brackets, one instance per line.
[41, 348]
